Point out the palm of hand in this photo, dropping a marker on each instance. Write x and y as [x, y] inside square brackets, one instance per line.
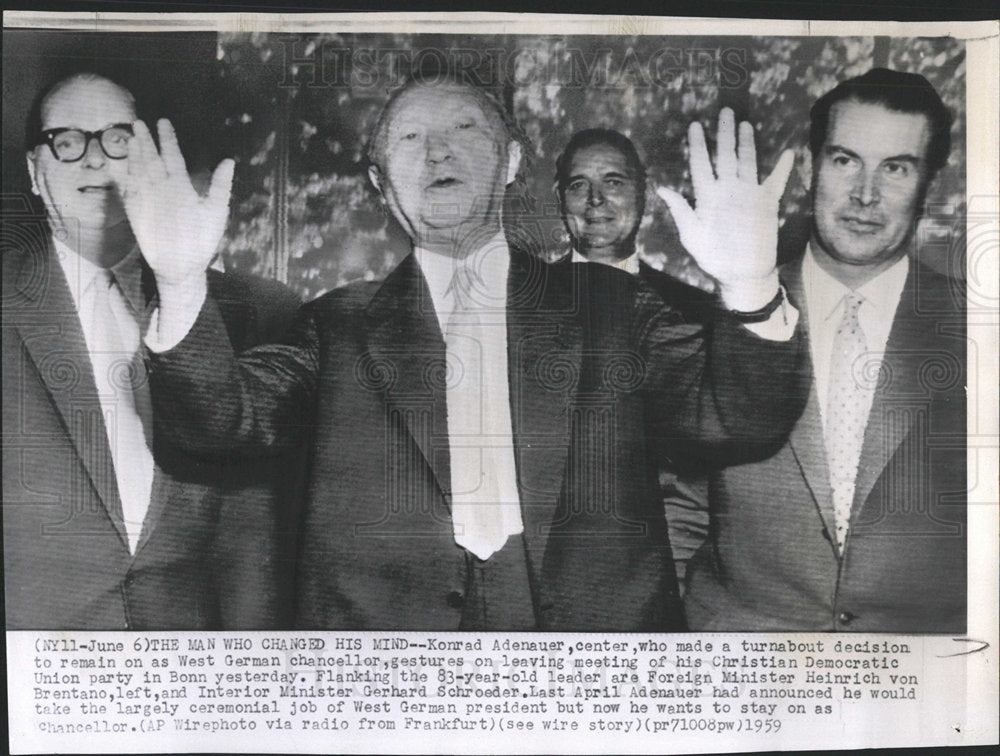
[732, 232]
[178, 230]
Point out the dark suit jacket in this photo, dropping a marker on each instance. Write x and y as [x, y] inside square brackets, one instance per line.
[771, 563]
[696, 305]
[682, 478]
[363, 373]
[66, 560]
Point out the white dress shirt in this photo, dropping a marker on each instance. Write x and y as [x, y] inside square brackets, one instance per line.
[824, 297]
[112, 348]
[481, 441]
[629, 264]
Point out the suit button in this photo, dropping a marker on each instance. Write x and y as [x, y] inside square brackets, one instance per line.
[845, 618]
[455, 600]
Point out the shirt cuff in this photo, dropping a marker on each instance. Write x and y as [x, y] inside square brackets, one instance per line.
[175, 315]
[781, 325]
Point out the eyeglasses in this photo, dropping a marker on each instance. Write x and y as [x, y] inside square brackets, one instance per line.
[70, 145]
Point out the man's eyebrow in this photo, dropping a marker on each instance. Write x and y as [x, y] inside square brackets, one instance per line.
[105, 127]
[905, 157]
[831, 148]
[613, 173]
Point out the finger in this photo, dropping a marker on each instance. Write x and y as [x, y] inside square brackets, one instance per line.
[148, 164]
[137, 148]
[747, 153]
[137, 165]
[725, 156]
[684, 217]
[169, 149]
[775, 183]
[220, 189]
[701, 168]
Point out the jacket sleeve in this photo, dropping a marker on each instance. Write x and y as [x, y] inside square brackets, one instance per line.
[208, 402]
[715, 392]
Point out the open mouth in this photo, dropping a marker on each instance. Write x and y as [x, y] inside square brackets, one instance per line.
[445, 182]
[95, 188]
[861, 225]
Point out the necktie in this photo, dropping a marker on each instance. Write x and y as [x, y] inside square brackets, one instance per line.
[482, 519]
[847, 413]
[124, 393]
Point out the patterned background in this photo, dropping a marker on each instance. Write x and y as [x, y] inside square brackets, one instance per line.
[295, 110]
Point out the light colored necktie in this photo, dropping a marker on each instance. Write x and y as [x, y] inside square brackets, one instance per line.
[124, 393]
[847, 413]
[482, 520]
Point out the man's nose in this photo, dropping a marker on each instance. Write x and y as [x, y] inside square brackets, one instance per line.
[438, 148]
[595, 196]
[93, 155]
[865, 190]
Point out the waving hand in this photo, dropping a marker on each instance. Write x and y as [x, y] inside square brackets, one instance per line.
[177, 229]
[732, 231]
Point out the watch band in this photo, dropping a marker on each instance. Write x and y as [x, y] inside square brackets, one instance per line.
[762, 314]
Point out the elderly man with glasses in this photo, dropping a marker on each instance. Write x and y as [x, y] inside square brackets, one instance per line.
[105, 528]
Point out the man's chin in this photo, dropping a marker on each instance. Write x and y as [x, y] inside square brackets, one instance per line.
[442, 222]
[445, 222]
[606, 247]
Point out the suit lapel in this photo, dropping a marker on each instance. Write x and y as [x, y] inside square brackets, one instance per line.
[46, 318]
[806, 438]
[544, 347]
[544, 352]
[159, 496]
[405, 341]
[806, 442]
[144, 299]
[889, 422]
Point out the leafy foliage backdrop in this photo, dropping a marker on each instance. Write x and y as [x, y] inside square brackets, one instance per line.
[295, 112]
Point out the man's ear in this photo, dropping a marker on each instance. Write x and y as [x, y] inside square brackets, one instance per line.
[375, 176]
[30, 156]
[559, 198]
[513, 160]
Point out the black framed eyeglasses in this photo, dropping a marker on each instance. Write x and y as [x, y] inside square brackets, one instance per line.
[70, 145]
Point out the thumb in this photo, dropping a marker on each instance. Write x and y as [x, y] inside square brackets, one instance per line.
[221, 187]
[684, 217]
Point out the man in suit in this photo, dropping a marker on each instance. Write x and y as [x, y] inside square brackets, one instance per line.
[477, 420]
[105, 527]
[601, 185]
[858, 522]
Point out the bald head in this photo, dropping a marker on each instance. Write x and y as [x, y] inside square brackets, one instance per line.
[42, 109]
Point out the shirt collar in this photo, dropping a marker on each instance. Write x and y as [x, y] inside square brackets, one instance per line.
[82, 273]
[630, 264]
[490, 262]
[824, 293]
[128, 273]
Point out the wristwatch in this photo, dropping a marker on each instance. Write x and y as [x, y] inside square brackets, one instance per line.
[762, 314]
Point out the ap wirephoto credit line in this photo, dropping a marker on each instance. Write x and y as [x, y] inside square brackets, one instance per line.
[533, 384]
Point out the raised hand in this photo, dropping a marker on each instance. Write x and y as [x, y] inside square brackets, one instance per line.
[732, 231]
[178, 230]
